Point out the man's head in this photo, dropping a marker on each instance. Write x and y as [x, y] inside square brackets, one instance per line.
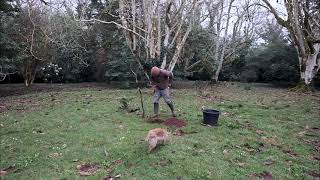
[155, 71]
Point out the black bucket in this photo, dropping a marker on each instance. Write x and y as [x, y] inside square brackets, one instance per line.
[210, 117]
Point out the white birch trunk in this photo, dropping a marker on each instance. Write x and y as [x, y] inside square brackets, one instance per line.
[216, 75]
[165, 41]
[297, 22]
[134, 40]
[124, 22]
[158, 48]
[217, 39]
[311, 64]
[179, 48]
[182, 42]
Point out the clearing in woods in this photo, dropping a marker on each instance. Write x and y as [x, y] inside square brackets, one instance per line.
[66, 132]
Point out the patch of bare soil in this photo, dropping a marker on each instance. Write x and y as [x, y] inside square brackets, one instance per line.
[20, 105]
[87, 169]
[178, 123]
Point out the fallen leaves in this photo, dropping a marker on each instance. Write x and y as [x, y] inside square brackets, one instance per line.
[121, 127]
[112, 177]
[264, 175]
[154, 120]
[178, 132]
[241, 164]
[314, 143]
[309, 131]
[302, 133]
[129, 165]
[55, 155]
[268, 162]
[252, 147]
[227, 114]
[314, 174]
[290, 152]
[111, 167]
[163, 162]
[3, 109]
[273, 141]
[212, 98]
[248, 125]
[260, 132]
[226, 152]
[37, 131]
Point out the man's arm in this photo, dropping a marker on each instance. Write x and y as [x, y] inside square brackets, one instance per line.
[153, 84]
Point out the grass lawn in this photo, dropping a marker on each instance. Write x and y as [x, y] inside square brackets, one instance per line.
[262, 132]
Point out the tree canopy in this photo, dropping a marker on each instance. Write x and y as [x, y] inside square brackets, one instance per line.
[95, 40]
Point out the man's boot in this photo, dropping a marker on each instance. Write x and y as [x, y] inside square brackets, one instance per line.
[172, 109]
[155, 109]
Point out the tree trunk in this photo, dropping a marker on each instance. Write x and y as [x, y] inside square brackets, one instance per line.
[134, 40]
[29, 71]
[165, 45]
[310, 65]
[185, 36]
[179, 47]
[303, 34]
[216, 75]
[158, 31]
[166, 38]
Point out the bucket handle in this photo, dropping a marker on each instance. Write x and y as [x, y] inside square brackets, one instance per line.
[203, 108]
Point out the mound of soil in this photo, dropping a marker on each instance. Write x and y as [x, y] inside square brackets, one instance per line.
[178, 123]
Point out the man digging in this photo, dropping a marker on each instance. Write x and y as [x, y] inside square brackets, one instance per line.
[161, 80]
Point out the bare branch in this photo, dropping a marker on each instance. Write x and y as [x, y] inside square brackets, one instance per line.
[274, 12]
[112, 22]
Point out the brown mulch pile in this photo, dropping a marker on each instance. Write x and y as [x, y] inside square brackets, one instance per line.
[178, 123]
